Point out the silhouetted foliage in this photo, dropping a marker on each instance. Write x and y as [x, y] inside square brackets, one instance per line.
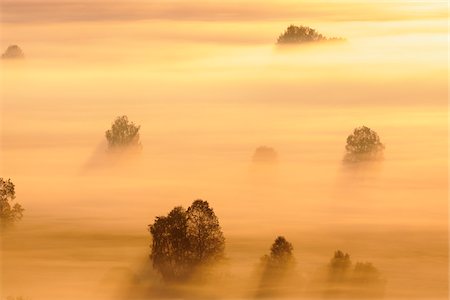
[13, 52]
[276, 266]
[302, 34]
[339, 265]
[123, 134]
[363, 280]
[365, 272]
[9, 213]
[186, 240]
[265, 154]
[364, 144]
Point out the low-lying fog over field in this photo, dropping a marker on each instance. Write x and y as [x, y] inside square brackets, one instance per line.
[208, 84]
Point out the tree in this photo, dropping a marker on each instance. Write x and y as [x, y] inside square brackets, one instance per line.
[339, 266]
[302, 34]
[186, 240]
[9, 214]
[365, 273]
[363, 145]
[265, 154]
[275, 268]
[13, 52]
[123, 134]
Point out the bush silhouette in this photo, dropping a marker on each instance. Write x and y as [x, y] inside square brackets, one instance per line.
[9, 214]
[186, 240]
[13, 52]
[123, 134]
[302, 34]
[363, 145]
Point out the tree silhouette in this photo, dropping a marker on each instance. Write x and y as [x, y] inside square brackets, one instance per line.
[123, 134]
[363, 145]
[365, 273]
[13, 52]
[339, 266]
[276, 266]
[264, 154]
[9, 214]
[302, 34]
[186, 240]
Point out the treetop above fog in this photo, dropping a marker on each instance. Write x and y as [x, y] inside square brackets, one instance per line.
[123, 134]
[264, 154]
[13, 52]
[9, 213]
[303, 34]
[185, 240]
[363, 144]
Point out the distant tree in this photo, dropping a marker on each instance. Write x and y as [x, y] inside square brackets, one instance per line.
[9, 213]
[302, 34]
[265, 154]
[13, 52]
[339, 266]
[275, 267]
[123, 134]
[281, 253]
[365, 272]
[186, 240]
[364, 144]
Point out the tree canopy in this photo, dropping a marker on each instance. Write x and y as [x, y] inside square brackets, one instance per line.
[302, 34]
[13, 52]
[9, 213]
[363, 144]
[123, 134]
[264, 154]
[186, 240]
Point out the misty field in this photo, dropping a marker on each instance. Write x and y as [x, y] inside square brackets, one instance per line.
[224, 111]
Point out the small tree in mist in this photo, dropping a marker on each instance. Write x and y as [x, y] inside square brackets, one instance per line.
[13, 52]
[186, 240]
[339, 266]
[366, 273]
[362, 145]
[9, 213]
[275, 267]
[123, 134]
[265, 154]
[301, 35]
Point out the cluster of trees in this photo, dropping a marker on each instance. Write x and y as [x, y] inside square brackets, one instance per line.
[362, 145]
[185, 241]
[13, 52]
[9, 213]
[302, 34]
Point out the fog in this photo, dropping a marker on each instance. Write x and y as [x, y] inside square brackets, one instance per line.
[208, 86]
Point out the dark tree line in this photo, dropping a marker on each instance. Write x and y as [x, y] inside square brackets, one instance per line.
[301, 35]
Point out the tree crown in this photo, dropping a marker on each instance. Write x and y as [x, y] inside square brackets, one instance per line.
[123, 133]
[9, 213]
